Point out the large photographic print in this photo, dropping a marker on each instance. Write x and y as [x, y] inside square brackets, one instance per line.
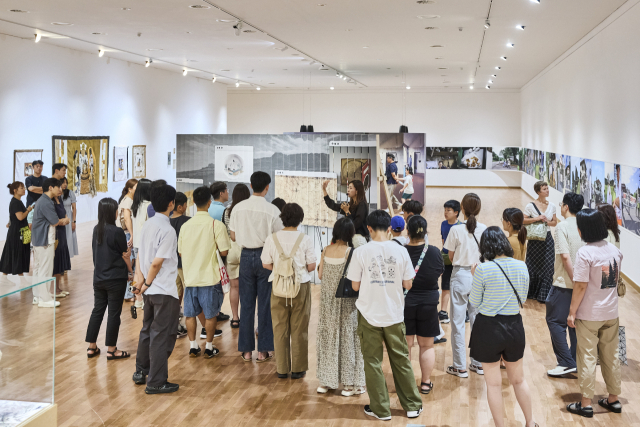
[630, 187]
[504, 158]
[442, 158]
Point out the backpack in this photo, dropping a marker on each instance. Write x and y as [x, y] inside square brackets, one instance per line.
[286, 284]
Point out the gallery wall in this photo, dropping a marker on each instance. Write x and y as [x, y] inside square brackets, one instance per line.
[47, 90]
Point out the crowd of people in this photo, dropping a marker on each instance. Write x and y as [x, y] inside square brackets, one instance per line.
[177, 269]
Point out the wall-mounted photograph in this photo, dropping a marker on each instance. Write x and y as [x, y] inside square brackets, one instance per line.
[630, 187]
[504, 158]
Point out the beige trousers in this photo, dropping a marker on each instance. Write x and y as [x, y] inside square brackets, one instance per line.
[290, 320]
[598, 338]
[43, 267]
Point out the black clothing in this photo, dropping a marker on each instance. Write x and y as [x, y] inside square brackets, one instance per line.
[32, 181]
[16, 255]
[107, 258]
[422, 320]
[498, 336]
[541, 255]
[425, 285]
[446, 277]
[177, 223]
[359, 216]
[61, 258]
[105, 294]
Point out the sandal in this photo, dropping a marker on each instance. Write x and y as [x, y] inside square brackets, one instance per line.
[134, 312]
[244, 358]
[235, 324]
[429, 384]
[96, 351]
[112, 355]
[576, 408]
[266, 359]
[611, 407]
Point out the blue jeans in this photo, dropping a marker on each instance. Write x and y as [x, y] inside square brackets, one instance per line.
[254, 283]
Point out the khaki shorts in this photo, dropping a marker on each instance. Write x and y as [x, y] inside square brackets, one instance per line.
[180, 283]
[233, 261]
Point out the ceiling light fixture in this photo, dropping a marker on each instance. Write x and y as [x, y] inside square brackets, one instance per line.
[498, 68]
[408, 87]
[536, 1]
[487, 24]
[487, 87]
[146, 64]
[237, 84]
[38, 37]
[18, 11]
[471, 87]
[520, 27]
[199, 6]
[494, 75]
[510, 45]
[184, 72]
[321, 4]
[258, 88]
[213, 79]
[490, 81]
[100, 53]
[237, 27]
[61, 23]
[331, 88]
[504, 58]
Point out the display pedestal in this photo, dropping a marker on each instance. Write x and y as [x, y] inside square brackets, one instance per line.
[48, 417]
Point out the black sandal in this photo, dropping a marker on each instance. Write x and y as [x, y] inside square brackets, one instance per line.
[576, 408]
[134, 312]
[96, 351]
[235, 324]
[112, 355]
[429, 384]
[611, 407]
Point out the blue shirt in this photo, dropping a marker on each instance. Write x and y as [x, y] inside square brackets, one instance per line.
[216, 209]
[445, 227]
[391, 168]
[491, 292]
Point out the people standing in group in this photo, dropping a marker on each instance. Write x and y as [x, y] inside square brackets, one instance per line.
[356, 209]
[463, 244]
[61, 260]
[220, 194]
[500, 285]
[421, 302]
[380, 270]
[411, 207]
[177, 220]
[611, 222]
[594, 313]
[540, 253]
[512, 223]
[155, 279]
[139, 208]
[109, 245]
[391, 182]
[124, 220]
[69, 203]
[240, 193]
[34, 183]
[407, 189]
[16, 255]
[290, 316]
[252, 221]
[339, 357]
[451, 215]
[279, 203]
[43, 239]
[567, 243]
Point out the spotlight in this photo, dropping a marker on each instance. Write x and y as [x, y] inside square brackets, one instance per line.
[498, 68]
[487, 87]
[471, 87]
[520, 27]
[149, 61]
[510, 45]
[536, 1]
[408, 87]
[184, 72]
[490, 81]
[494, 75]
[338, 75]
[504, 58]
[38, 37]
[237, 84]
[331, 88]
[258, 88]
[213, 80]
[237, 27]
[487, 24]
[100, 53]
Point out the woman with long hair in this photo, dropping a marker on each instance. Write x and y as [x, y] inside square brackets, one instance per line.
[16, 253]
[240, 193]
[512, 223]
[124, 220]
[69, 203]
[499, 286]
[356, 209]
[141, 201]
[463, 244]
[109, 244]
[61, 258]
[421, 303]
[338, 350]
[611, 221]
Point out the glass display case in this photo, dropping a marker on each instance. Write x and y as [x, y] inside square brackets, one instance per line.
[27, 352]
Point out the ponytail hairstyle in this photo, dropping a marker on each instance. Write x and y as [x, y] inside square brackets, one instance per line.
[515, 217]
[471, 206]
[14, 186]
[417, 227]
[128, 186]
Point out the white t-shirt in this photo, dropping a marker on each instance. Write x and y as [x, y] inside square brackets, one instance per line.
[462, 242]
[304, 256]
[530, 211]
[402, 240]
[380, 267]
[408, 179]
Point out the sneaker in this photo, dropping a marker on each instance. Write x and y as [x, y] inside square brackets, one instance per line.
[36, 300]
[48, 304]
[457, 372]
[165, 388]
[443, 316]
[477, 369]
[222, 317]
[208, 354]
[559, 371]
[321, 389]
[195, 352]
[368, 411]
[139, 377]
[414, 414]
[182, 331]
[576, 408]
[218, 333]
[466, 319]
[298, 375]
[354, 391]
[439, 340]
[203, 333]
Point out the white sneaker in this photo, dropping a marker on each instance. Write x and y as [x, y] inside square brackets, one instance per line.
[354, 391]
[414, 414]
[477, 369]
[48, 304]
[322, 389]
[457, 372]
[36, 300]
[559, 371]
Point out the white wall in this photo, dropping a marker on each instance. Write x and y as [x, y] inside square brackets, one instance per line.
[587, 104]
[47, 90]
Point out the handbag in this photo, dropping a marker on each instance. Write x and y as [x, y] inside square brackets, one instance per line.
[25, 235]
[537, 230]
[622, 287]
[345, 287]
[509, 280]
[224, 276]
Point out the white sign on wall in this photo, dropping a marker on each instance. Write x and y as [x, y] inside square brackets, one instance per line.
[233, 163]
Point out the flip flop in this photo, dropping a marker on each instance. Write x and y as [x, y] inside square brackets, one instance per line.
[245, 359]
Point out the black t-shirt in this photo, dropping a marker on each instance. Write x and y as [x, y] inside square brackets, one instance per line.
[107, 258]
[425, 285]
[177, 223]
[16, 206]
[33, 181]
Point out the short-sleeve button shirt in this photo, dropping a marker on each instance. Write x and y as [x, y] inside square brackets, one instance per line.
[253, 220]
[567, 241]
[158, 240]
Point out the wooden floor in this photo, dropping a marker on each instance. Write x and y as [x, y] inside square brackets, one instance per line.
[225, 391]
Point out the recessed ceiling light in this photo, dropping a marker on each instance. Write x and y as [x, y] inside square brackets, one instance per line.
[431, 28]
[520, 27]
[497, 68]
[365, 47]
[471, 87]
[426, 1]
[504, 58]
[258, 88]
[428, 16]
[199, 6]
[125, 8]
[61, 23]
[490, 81]
[331, 88]
[408, 87]
[510, 45]
[227, 21]
[437, 45]
[18, 11]
[153, 49]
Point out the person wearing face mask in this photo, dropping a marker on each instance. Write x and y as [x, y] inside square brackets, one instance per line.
[356, 209]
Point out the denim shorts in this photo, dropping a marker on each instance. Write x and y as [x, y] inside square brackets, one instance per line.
[207, 299]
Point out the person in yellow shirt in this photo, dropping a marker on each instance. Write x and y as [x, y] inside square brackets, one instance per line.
[199, 239]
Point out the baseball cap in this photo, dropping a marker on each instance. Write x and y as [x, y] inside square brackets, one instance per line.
[397, 223]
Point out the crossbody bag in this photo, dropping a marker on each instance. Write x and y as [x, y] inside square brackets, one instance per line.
[424, 252]
[509, 280]
[345, 287]
[537, 230]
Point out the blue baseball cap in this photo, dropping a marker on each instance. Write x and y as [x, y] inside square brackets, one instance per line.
[397, 223]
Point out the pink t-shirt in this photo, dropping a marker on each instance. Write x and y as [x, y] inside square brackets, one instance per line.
[598, 264]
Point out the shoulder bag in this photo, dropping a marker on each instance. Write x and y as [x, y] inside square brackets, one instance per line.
[512, 287]
[537, 230]
[345, 288]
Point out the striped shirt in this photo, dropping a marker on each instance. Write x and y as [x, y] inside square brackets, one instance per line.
[491, 292]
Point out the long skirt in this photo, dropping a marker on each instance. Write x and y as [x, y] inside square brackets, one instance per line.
[540, 262]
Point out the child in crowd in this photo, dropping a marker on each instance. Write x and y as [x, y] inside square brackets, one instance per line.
[397, 227]
[451, 213]
[177, 219]
[407, 189]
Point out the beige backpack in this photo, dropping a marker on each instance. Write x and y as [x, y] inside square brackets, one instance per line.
[286, 284]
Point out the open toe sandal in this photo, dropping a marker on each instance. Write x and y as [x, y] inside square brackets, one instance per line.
[112, 355]
[266, 359]
[96, 351]
[611, 407]
[429, 384]
[235, 324]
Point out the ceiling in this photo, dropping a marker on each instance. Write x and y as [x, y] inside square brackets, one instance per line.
[377, 43]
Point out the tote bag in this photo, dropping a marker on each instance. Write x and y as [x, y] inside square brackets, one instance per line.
[537, 230]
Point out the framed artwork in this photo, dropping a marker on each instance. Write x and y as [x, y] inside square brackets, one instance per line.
[87, 160]
[139, 154]
[355, 169]
[22, 160]
[120, 163]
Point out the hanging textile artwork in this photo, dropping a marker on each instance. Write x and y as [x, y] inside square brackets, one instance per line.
[87, 160]
[139, 161]
[120, 163]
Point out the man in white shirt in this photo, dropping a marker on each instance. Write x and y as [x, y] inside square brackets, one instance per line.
[156, 280]
[251, 222]
[380, 270]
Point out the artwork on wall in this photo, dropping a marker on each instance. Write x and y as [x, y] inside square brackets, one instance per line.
[305, 189]
[120, 163]
[139, 154]
[442, 157]
[630, 187]
[233, 163]
[355, 169]
[473, 158]
[22, 159]
[597, 183]
[87, 160]
[551, 169]
[504, 158]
